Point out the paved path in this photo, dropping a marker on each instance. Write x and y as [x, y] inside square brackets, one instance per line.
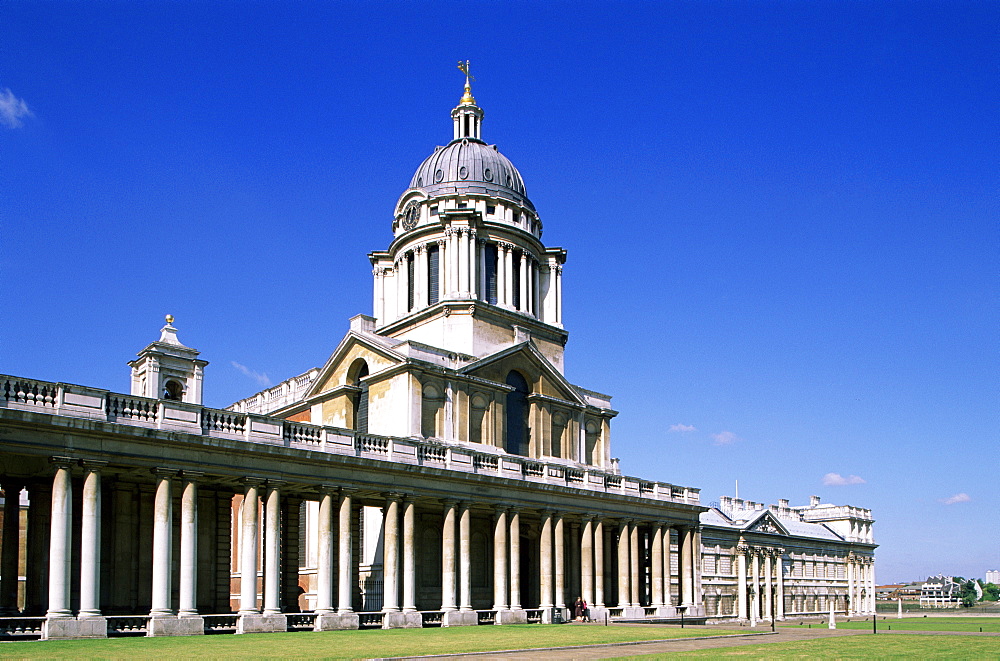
[743, 637]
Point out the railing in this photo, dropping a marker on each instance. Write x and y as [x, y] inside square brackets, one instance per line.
[432, 454]
[128, 625]
[432, 618]
[300, 621]
[38, 393]
[615, 612]
[370, 620]
[534, 615]
[649, 611]
[224, 421]
[296, 432]
[94, 403]
[374, 444]
[21, 627]
[225, 623]
[132, 408]
[486, 617]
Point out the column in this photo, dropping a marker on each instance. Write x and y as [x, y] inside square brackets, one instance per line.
[560, 561]
[755, 588]
[741, 589]
[545, 553]
[463, 262]
[402, 308]
[37, 553]
[599, 563]
[324, 553]
[501, 274]
[536, 306]
[90, 541]
[443, 270]
[390, 558]
[524, 281]
[272, 548]
[668, 598]
[377, 293]
[509, 275]
[779, 575]
[451, 236]
[188, 597]
[587, 560]
[851, 605]
[162, 548]
[471, 269]
[624, 591]
[448, 558]
[464, 559]
[345, 563]
[60, 538]
[481, 262]
[768, 590]
[409, 556]
[11, 540]
[687, 565]
[500, 560]
[558, 306]
[636, 582]
[515, 559]
[657, 562]
[249, 539]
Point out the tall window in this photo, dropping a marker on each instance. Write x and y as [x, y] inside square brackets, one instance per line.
[516, 441]
[409, 281]
[516, 280]
[490, 255]
[360, 398]
[433, 274]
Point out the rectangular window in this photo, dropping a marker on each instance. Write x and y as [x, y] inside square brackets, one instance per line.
[462, 205]
[490, 255]
[433, 271]
[409, 282]
[434, 211]
[491, 209]
[516, 281]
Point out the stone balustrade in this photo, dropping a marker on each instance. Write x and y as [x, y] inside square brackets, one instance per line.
[97, 404]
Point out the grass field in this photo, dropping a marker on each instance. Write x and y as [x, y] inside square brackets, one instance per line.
[344, 644]
[859, 647]
[969, 624]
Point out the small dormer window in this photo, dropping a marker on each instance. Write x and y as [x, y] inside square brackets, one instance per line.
[434, 211]
[491, 209]
[463, 205]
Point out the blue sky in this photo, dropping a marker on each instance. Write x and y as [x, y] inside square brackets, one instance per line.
[781, 217]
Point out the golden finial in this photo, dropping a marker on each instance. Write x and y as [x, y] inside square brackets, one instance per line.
[467, 98]
[170, 319]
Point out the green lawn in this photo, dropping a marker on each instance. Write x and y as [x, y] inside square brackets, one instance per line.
[859, 647]
[971, 624]
[344, 644]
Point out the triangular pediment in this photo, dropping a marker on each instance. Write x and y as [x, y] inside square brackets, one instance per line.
[353, 345]
[766, 523]
[522, 355]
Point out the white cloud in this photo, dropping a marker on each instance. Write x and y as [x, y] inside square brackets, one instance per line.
[260, 378]
[725, 438]
[838, 480]
[682, 428]
[12, 110]
[957, 498]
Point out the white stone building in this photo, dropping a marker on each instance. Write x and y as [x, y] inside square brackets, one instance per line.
[437, 469]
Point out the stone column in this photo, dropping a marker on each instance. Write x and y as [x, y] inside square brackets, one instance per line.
[188, 597]
[501, 274]
[90, 541]
[515, 559]
[779, 573]
[500, 559]
[345, 559]
[560, 561]
[768, 589]
[249, 539]
[463, 263]
[471, 268]
[324, 553]
[409, 557]
[481, 262]
[656, 557]
[525, 303]
[11, 540]
[687, 566]
[545, 560]
[636, 582]
[741, 588]
[60, 539]
[37, 552]
[624, 590]
[668, 597]
[448, 558]
[599, 563]
[755, 588]
[464, 559]
[272, 548]
[162, 543]
[390, 558]
[587, 560]
[559, 270]
[509, 274]
[851, 606]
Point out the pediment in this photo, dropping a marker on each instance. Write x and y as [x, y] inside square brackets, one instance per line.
[526, 357]
[766, 523]
[353, 345]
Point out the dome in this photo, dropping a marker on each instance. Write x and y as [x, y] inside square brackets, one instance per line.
[470, 166]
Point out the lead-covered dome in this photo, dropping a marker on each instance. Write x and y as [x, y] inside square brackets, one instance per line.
[468, 165]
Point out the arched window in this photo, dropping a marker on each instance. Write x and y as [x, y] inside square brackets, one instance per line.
[516, 441]
[432, 411]
[358, 371]
[173, 390]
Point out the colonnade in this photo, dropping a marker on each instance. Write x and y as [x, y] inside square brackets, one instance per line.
[860, 584]
[761, 595]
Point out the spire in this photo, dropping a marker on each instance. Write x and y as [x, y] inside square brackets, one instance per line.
[467, 116]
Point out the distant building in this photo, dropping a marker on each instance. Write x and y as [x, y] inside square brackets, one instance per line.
[993, 576]
[940, 592]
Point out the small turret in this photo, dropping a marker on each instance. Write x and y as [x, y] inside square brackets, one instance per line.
[166, 369]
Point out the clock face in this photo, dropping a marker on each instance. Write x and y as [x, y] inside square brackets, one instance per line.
[410, 215]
